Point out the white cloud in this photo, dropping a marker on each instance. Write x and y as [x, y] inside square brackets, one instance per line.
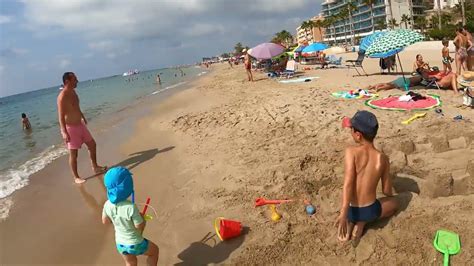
[38, 66]
[63, 63]
[164, 19]
[5, 19]
[20, 51]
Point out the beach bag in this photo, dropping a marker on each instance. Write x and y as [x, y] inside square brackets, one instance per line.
[468, 97]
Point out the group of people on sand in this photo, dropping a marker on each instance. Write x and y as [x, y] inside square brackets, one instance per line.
[127, 220]
[446, 79]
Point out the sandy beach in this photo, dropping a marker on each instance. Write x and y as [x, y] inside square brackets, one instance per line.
[210, 150]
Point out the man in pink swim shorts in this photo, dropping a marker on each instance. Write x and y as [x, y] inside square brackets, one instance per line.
[73, 126]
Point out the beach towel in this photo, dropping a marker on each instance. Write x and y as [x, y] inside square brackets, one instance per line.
[393, 103]
[302, 79]
[354, 94]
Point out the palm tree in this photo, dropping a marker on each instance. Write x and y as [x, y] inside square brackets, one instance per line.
[405, 19]
[392, 23]
[351, 8]
[307, 25]
[420, 23]
[344, 15]
[238, 48]
[439, 13]
[371, 3]
[327, 24]
[381, 25]
[334, 19]
[283, 37]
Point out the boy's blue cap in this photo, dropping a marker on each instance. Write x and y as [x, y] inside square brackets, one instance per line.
[119, 183]
[364, 122]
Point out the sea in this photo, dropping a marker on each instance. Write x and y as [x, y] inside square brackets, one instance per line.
[23, 153]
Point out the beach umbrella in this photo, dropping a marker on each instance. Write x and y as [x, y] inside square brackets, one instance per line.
[266, 50]
[369, 39]
[314, 47]
[299, 48]
[392, 43]
[334, 50]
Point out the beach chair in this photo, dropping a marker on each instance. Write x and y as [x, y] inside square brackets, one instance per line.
[333, 60]
[357, 63]
[289, 70]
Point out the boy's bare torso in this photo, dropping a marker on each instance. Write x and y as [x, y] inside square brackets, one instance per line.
[370, 166]
[72, 111]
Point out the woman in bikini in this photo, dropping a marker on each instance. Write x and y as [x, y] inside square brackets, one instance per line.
[463, 44]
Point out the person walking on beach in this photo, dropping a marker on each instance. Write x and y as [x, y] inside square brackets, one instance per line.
[364, 167]
[25, 122]
[128, 222]
[73, 127]
[248, 64]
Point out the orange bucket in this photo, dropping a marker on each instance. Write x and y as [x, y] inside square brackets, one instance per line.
[227, 229]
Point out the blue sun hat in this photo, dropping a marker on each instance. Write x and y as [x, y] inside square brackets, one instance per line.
[119, 183]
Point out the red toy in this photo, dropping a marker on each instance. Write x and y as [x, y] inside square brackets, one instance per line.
[262, 201]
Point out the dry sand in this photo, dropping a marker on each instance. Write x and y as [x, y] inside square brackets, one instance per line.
[209, 151]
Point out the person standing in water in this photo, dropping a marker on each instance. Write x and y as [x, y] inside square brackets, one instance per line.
[73, 127]
[25, 122]
[158, 79]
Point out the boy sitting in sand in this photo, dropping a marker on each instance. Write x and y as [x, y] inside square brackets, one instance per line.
[364, 167]
[126, 218]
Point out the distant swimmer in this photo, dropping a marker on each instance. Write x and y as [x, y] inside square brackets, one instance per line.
[25, 122]
[158, 79]
[73, 127]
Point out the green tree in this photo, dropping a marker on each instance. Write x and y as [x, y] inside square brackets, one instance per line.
[225, 55]
[392, 23]
[405, 19]
[380, 24]
[351, 8]
[370, 4]
[420, 23]
[344, 15]
[238, 48]
[283, 37]
[319, 24]
[439, 13]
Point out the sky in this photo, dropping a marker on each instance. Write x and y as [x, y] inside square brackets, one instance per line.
[42, 39]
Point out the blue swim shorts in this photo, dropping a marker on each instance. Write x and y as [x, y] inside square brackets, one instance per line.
[365, 214]
[136, 250]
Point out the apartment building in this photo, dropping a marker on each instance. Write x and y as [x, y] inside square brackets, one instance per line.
[308, 36]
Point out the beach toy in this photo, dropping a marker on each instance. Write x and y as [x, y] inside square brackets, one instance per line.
[262, 201]
[227, 229]
[275, 215]
[447, 243]
[458, 117]
[310, 209]
[413, 118]
[145, 208]
[147, 217]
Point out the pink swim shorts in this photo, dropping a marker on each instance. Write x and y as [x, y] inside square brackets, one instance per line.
[78, 134]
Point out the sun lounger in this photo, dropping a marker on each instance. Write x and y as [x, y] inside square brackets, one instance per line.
[289, 70]
[357, 63]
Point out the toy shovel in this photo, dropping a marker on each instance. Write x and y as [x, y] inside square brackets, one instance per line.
[411, 119]
[447, 243]
[262, 201]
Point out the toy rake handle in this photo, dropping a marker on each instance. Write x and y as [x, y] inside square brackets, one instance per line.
[146, 206]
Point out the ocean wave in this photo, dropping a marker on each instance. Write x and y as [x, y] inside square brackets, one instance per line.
[169, 87]
[14, 179]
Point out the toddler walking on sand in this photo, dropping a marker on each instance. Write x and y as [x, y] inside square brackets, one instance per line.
[126, 218]
[364, 167]
[447, 60]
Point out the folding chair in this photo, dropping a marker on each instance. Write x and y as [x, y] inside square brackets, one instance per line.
[357, 63]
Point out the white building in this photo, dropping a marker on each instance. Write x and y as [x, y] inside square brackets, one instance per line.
[445, 3]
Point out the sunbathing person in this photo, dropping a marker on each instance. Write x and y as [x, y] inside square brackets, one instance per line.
[444, 81]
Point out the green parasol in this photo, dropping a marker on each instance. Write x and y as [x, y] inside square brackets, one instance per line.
[392, 43]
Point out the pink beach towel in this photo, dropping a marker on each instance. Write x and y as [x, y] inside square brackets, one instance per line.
[392, 103]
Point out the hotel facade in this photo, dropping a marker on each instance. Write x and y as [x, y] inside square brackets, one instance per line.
[383, 10]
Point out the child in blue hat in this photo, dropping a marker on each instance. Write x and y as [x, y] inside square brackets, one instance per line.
[126, 218]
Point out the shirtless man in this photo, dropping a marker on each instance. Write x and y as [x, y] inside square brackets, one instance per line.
[364, 167]
[248, 65]
[470, 52]
[73, 126]
[463, 44]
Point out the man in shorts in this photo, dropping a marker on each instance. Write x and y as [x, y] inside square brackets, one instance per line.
[73, 126]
